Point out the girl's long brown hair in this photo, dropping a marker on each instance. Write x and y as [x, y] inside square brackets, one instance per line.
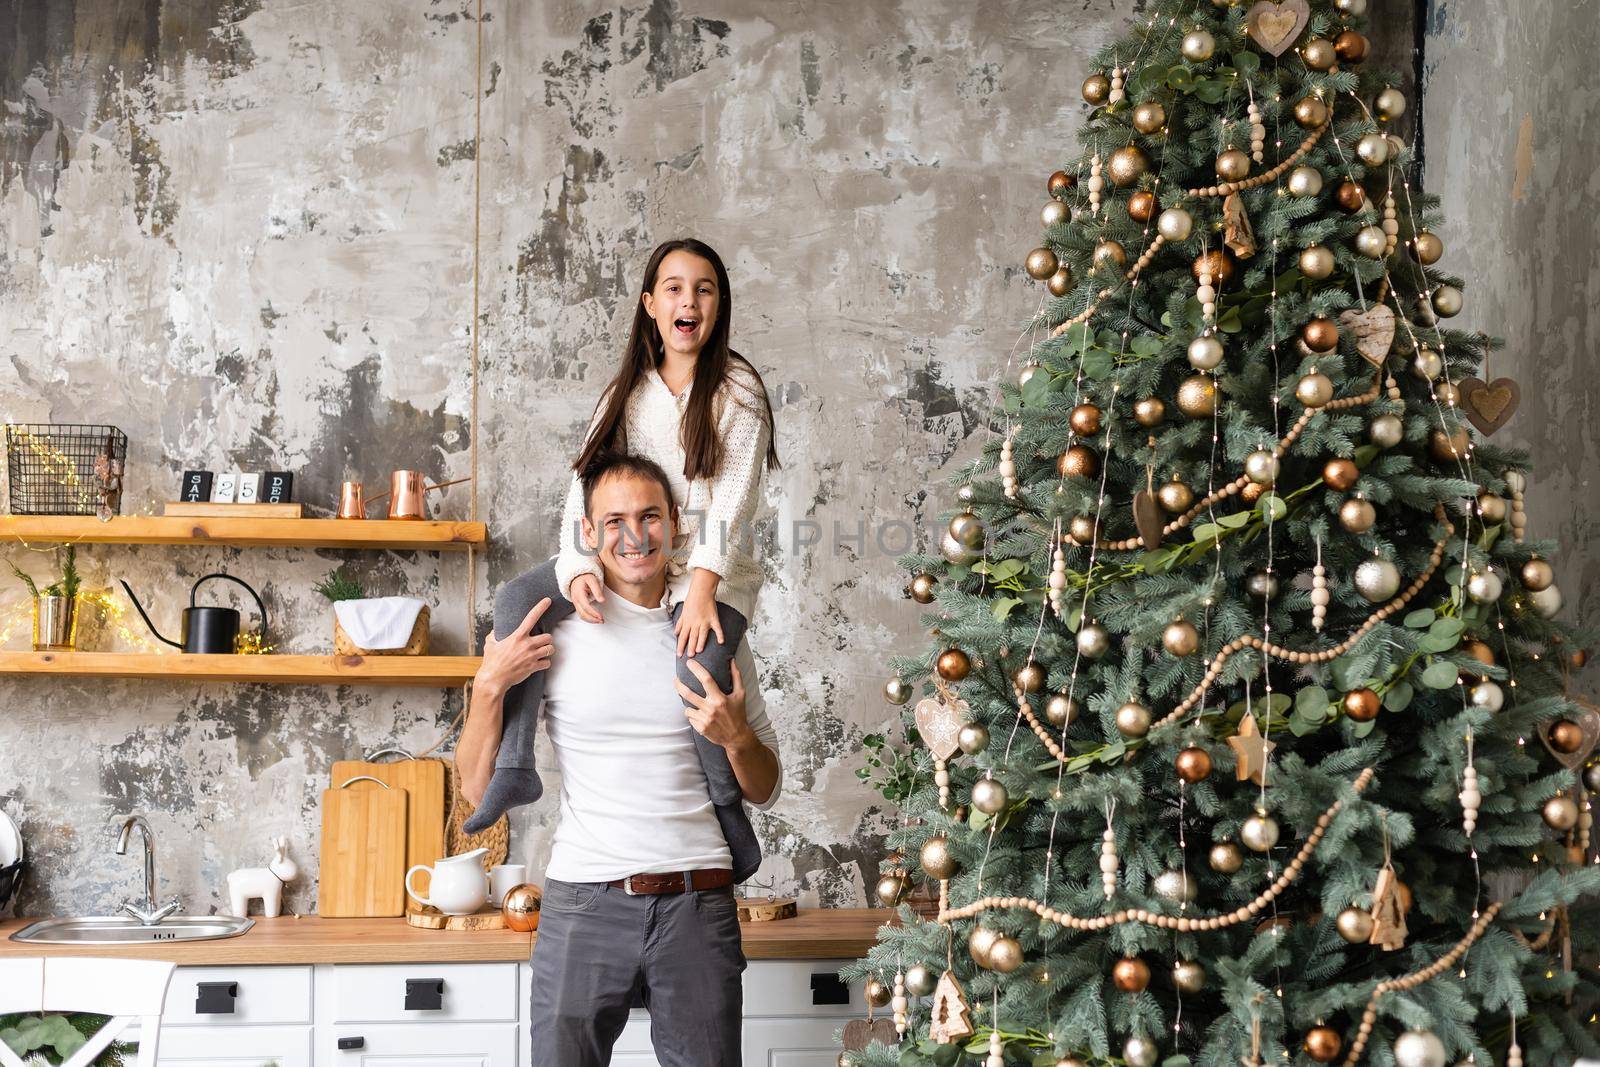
[702, 448]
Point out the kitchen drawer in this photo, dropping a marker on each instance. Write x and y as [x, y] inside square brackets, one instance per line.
[262, 995]
[443, 1045]
[791, 1042]
[239, 1046]
[472, 992]
[785, 988]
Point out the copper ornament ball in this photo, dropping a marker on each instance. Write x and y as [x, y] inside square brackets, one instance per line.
[922, 587]
[1252, 492]
[1150, 411]
[876, 993]
[1127, 165]
[1357, 516]
[1323, 1044]
[1566, 737]
[1061, 282]
[1362, 705]
[1311, 112]
[521, 908]
[1197, 396]
[1079, 461]
[1149, 117]
[1193, 764]
[1219, 263]
[1578, 659]
[1233, 165]
[953, 665]
[1130, 975]
[1318, 53]
[1109, 253]
[1175, 497]
[1060, 183]
[1480, 651]
[1351, 196]
[1320, 335]
[1537, 575]
[1096, 89]
[1142, 205]
[1351, 47]
[1041, 264]
[1449, 447]
[1085, 419]
[1340, 474]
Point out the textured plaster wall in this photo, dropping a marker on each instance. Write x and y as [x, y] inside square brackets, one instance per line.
[242, 230]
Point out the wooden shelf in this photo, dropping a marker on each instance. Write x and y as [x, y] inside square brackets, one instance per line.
[282, 670]
[426, 535]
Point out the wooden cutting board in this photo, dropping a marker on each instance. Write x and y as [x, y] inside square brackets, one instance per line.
[363, 852]
[424, 783]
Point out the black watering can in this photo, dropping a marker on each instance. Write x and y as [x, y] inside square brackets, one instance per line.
[207, 630]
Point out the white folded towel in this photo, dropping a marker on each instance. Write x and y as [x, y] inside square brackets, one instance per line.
[379, 623]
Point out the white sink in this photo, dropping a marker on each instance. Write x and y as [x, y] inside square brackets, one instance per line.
[122, 930]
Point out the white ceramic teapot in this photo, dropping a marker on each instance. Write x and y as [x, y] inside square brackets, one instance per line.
[459, 886]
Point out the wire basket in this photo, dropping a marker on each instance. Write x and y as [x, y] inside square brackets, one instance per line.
[60, 468]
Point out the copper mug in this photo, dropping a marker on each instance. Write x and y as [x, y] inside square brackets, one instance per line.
[352, 504]
[406, 496]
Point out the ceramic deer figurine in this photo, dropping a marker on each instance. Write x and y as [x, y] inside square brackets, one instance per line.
[264, 882]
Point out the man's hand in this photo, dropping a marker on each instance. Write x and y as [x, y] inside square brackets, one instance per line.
[718, 716]
[521, 654]
[586, 592]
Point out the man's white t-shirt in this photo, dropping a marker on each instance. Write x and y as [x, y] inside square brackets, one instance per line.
[633, 797]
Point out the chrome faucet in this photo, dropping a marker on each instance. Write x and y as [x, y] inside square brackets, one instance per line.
[149, 915]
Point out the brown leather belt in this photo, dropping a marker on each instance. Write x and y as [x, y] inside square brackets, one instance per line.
[675, 882]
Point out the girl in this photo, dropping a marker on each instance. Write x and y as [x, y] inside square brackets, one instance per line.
[686, 400]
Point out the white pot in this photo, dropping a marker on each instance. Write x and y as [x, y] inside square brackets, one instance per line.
[458, 887]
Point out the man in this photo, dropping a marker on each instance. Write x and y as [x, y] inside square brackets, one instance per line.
[638, 896]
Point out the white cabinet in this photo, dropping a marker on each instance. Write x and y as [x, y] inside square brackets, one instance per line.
[419, 1045]
[237, 1046]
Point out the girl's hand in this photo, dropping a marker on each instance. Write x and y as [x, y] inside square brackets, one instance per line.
[586, 592]
[697, 619]
[522, 653]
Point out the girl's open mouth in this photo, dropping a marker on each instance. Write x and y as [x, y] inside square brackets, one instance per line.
[686, 326]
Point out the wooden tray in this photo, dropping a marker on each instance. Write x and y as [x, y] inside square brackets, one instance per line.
[766, 909]
[434, 919]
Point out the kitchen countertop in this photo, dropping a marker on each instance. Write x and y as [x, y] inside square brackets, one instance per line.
[815, 933]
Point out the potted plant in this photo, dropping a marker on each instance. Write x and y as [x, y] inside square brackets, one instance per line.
[55, 608]
[373, 626]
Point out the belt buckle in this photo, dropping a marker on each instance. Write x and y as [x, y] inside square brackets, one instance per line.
[627, 886]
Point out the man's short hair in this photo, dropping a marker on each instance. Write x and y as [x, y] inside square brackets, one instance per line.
[621, 464]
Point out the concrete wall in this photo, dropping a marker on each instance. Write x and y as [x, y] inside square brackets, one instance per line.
[242, 230]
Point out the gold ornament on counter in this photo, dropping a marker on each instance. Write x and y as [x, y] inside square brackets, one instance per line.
[1197, 396]
[1041, 264]
[1274, 27]
[1149, 117]
[521, 908]
[1127, 165]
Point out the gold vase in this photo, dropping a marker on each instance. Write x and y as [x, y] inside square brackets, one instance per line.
[55, 623]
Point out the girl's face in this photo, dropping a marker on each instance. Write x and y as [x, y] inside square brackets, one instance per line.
[684, 302]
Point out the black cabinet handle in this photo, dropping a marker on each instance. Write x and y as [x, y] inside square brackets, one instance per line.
[829, 989]
[424, 994]
[347, 1043]
[215, 998]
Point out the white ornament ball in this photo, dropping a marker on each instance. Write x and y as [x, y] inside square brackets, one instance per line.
[1387, 431]
[1488, 696]
[1175, 886]
[989, 796]
[1175, 224]
[1484, 587]
[920, 980]
[1377, 580]
[1547, 602]
[1259, 832]
[1094, 641]
[1205, 352]
[1447, 301]
[1198, 46]
[1419, 1048]
[1140, 1051]
[1373, 149]
[1305, 181]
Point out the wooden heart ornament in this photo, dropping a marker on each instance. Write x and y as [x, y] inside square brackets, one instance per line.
[1372, 331]
[858, 1034]
[939, 725]
[1489, 405]
[1275, 27]
[1588, 721]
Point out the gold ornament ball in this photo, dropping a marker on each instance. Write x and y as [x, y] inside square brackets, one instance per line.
[1362, 705]
[922, 587]
[955, 552]
[1127, 165]
[973, 738]
[897, 691]
[876, 993]
[1133, 719]
[979, 942]
[967, 529]
[1142, 205]
[1492, 508]
[1083, 529]
[1175, 497]
[1377, 580]
[1041, 264]
[1259, 832]
[891, 889]
[1311, 112]
[1130, 975]
[1320, 335]
[1180, 638]
[1305, 181]
[1205, 352]
[1060, 283]
[1357, 516]
[1323, 1044]
[1188, 976]
[1061, 709]
[1261, 467]
[1079, 461]
[1449, 447]
[989, 796]
[920, 980]
[1226, 857]
[1372, 242]
[1175, 224]
[1447, 301]
[1096, 89]
[1060, 184]
[1427, 248]
[1149, 411]
[1390, 104]
[1357, 8]
[1219, 263]
[1340, 474]
[521, 908]
[1263, 585]
[1070, 1061]
[1140, 1051]
[1314, 390]
[1387, 431]
[1252, 492]
[1354, 925]
[1560, 813]
[1197, 396]
[1350, 46]
[1193, 764]
[1373, 148]
[1318, 53]
[1149, 117]
[1085, 420]
[1566, 737]
[1317, 263]
[1479, 651]
[1233, 165]
[1350, 196]
[937, 859]
[1005, 955]
[1177, 886]
[1537, 575]
[1054, 213]
[1198, 46]
[1029, 678]
[1110, 254]
[953, 665]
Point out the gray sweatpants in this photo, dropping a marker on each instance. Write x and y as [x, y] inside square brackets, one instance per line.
[597, 947]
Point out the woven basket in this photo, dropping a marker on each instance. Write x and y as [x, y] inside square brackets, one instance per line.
[416, 644]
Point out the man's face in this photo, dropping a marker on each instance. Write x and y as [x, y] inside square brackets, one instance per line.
[630, 520]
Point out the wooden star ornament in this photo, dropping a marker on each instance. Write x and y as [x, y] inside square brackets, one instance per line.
[1252, 748]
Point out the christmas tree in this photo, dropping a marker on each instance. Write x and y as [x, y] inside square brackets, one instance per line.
[1245, 735]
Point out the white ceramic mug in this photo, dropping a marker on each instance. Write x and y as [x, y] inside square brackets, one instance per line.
[458, 886]
[503, 879]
